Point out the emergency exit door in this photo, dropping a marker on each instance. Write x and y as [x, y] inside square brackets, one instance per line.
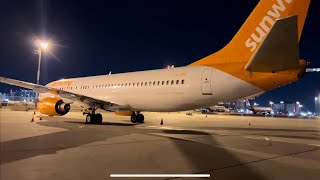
[206, 82]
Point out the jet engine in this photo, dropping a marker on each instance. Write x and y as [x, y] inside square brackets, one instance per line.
[53, 106]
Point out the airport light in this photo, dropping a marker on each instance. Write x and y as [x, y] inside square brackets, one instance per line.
[44, 45]
[281, 102]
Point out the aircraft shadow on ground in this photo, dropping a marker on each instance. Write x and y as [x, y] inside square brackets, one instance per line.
[171, 131]
[72, 137]
[262, 129]
[207, 156]
[204, 156]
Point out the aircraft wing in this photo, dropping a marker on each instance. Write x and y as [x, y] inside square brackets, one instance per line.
[69, 96]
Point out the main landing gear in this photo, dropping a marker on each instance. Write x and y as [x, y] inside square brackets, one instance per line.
[93, 118]
[136, 117]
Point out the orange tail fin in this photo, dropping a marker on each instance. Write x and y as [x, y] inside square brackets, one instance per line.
[254, 30]
[232, 59]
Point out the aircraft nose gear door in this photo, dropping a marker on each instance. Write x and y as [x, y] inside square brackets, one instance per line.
[206, 82]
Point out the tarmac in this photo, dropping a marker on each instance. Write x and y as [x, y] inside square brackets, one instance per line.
[226, 147]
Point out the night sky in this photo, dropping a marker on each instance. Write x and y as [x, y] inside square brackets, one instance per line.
[95, 37]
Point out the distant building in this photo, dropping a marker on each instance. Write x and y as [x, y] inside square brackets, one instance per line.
[22, 95]
[288, 108]
[291, 108]
[279, 107]
[3, 97]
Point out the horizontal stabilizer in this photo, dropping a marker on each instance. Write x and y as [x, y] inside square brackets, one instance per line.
[279, 50]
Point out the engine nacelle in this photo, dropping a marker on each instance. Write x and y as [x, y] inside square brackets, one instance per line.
[53, 106]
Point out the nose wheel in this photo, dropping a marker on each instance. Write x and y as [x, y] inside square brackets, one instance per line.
[137, 118]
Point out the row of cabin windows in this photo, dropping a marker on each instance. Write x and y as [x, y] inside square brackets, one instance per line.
[154, 83]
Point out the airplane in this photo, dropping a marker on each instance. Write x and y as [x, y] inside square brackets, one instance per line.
[261, 110]
[218, 108]
[263, 55]
[258, 110]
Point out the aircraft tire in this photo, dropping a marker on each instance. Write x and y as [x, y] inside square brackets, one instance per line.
[90, 119]
[98, 118]
[140, 118]
[134, 118]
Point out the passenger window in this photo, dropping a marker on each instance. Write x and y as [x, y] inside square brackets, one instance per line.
[182, 82]
[129, 84]
[172, 82]
[149, 83]
[158, 83]
[162, 82]
[177, 82]
[146, 83]
[125, 85]
[167, 82]
[154, 83]
[133, 84]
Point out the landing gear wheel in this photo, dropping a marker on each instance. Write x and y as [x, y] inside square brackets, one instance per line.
[90, 119]
[134, 118]
[98, 118]
[140, 118]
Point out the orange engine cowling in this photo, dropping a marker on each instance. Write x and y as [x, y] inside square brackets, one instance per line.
[53, 106]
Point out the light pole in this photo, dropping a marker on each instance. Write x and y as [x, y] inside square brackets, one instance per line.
[42, 45]
[316, 105]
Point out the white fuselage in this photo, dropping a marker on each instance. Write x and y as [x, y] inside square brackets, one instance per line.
[162, 90]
